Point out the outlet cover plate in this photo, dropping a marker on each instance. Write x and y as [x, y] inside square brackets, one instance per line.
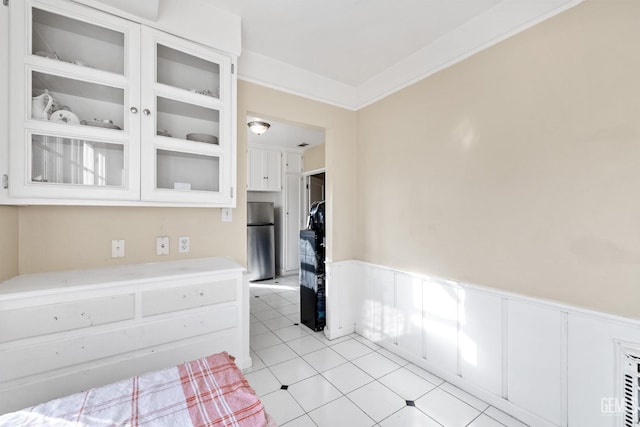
[183, 245]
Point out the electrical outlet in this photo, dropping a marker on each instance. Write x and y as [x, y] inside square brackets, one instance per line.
[117, 249]
[162, 245]
[183, 245]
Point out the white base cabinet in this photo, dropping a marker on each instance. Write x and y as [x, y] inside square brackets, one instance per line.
[65, 332]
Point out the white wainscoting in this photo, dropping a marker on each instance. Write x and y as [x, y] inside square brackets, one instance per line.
[546, 363]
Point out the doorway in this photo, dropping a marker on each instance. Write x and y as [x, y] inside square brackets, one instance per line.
[275, 165]
[313, 189]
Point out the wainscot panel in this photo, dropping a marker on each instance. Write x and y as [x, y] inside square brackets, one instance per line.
[545, 363]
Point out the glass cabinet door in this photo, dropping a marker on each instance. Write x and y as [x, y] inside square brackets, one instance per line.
[186, 136]
[62, 160]
[80, 94]
[105, 109]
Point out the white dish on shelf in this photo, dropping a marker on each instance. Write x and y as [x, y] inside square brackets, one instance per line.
[101, 124]
[64, 116]
[46, 54]
[205, 92]
[202, 137]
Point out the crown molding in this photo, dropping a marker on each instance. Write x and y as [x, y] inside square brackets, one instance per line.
[269, 72]
[504, 20]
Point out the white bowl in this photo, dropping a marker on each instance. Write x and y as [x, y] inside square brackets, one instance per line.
[202, 137]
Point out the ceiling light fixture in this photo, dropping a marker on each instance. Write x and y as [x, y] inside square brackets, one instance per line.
[258, 127]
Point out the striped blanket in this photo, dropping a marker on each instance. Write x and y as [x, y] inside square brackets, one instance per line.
[207, 392]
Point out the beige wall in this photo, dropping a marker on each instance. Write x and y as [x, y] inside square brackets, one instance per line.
[8, 242]
[314, 158]
[340, 137]
[63, 238]
[518, 168]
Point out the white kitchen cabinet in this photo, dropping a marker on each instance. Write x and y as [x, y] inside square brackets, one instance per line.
[293, 221]
[186, 128]
[63, 332]
[101, 108]
[293, 162]
[264, 170]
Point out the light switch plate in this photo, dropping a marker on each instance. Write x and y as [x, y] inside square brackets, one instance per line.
[162, 245]
[117, 249]
[227, 216]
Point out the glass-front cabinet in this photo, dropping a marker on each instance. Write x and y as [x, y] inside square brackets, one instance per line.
[186, 133]
[103, 109]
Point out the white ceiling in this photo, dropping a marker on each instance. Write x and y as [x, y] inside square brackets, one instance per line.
[352, 52]
[286, 135]
[347, 40]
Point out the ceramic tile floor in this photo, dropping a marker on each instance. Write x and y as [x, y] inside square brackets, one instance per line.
[304, 379]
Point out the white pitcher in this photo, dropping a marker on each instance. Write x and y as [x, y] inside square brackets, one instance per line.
[40, 106]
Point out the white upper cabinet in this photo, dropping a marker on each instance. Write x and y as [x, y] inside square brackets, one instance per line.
[73, 80]
[186, 126]
[264, 170]
[293, 163]
[108, 111]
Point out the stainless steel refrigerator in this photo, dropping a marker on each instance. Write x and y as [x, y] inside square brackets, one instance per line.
[261, 256]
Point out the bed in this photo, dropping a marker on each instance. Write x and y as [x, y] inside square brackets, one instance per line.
[211, 391]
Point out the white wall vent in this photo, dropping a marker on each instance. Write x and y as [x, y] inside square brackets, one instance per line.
[631, 387]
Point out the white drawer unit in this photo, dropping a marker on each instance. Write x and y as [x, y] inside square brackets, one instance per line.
[64, 332]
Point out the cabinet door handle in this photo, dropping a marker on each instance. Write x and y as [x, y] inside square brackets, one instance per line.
[146, 111]
[134, 110]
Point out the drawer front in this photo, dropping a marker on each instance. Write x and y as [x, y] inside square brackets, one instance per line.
[107, 371]
[24, 361]
[159, 301]
[46, 319]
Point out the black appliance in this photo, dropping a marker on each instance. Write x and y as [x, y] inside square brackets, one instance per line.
[312, 273]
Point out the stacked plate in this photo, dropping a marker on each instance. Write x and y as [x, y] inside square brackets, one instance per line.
[108, 124]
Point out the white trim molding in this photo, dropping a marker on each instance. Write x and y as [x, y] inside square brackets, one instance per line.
[545, 363]
[507, 18]
[274, 74]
